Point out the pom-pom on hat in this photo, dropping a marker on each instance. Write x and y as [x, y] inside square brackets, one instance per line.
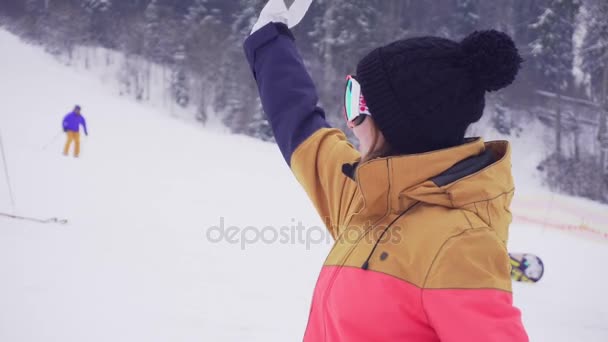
[424, 92]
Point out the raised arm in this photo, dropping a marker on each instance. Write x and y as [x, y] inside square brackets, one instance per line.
[314, 151]
[288, 95]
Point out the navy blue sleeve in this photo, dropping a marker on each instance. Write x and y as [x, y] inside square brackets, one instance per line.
[288, 95]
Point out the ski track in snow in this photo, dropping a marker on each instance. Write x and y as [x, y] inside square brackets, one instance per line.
[135, 263]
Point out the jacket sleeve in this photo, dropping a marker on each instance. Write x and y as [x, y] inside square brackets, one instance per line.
[467, 295]
[64, 124]
[314, 151]
[84, 125]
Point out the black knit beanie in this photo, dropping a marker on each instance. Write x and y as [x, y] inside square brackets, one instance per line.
[424, 92]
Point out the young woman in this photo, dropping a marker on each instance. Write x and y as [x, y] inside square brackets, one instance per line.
[420, 214]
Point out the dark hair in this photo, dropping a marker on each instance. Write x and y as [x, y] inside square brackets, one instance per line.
[385, 151]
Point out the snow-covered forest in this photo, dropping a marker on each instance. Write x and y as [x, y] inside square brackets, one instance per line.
[197, 44]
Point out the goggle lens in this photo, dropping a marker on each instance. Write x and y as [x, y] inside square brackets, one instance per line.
[348, 101]
[355, 107]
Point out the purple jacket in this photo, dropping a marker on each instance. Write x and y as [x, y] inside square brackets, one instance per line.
[72, 122]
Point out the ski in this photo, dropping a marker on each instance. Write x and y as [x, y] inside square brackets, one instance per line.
[37, 220]
[526, 267]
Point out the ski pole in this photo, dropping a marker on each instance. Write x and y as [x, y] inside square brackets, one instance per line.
[35, 219]
[8, 180]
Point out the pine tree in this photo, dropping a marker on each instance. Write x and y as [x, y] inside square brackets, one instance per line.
[595, 63]
[204, 27]
[96, 6]
[501, 15]
[527, 14]
[179, 80]
[12, 8]
[35, 6]
[97, 20]
[33, 21]
[236, 94]
[197, 11]
[342, 34]
[152, 35]
[553, 48]
[465, 19]
[502, 119]
[595, 45]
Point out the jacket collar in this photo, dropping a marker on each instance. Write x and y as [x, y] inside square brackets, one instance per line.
[385, 182]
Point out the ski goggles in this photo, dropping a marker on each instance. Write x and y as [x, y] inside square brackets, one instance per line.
[355, 107]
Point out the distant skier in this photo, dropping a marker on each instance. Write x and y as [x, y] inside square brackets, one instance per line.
[419, 213]
[71, 126]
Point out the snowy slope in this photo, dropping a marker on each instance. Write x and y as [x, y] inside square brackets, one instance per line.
[135, 263]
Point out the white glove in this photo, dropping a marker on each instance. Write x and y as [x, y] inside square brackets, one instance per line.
[275, 11]
[297, 11]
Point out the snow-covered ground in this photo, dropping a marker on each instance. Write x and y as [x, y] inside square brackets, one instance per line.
[137, 262]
